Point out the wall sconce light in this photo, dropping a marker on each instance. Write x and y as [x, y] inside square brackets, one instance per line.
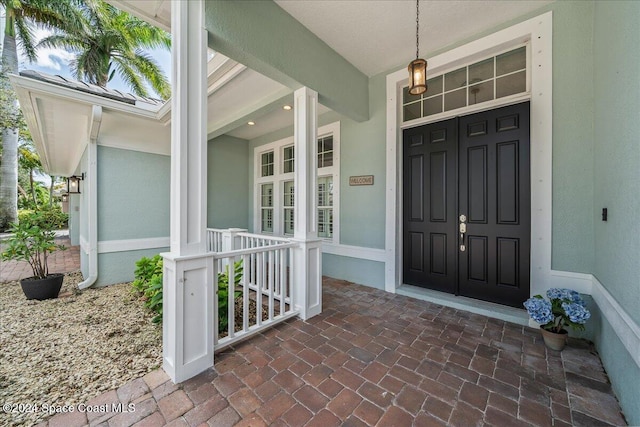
[73, 184]
[65, 198]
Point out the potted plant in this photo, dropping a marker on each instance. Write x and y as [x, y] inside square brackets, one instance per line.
[565, 308]
[32, 240]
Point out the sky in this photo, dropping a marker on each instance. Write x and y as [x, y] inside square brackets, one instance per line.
[56, 62]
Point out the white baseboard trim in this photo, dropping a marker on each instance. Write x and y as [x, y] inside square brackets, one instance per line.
[110, 246]
[580, 282]
[625, 328]
[370, 254]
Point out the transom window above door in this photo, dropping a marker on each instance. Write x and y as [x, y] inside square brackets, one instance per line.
[482, 81]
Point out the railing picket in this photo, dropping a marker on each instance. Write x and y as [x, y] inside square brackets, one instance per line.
[245, 294]
[231, 301]
[216, 305]
[260, 267]
[271, 274]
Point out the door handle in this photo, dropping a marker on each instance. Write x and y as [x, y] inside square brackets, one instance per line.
[463, 231]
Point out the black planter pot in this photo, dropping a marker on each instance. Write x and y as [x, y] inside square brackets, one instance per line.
[41, 289]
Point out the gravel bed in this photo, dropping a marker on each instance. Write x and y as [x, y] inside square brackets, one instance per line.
[67, 351]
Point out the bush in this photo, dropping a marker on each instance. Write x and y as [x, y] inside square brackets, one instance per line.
[51, 218]
[148, 284]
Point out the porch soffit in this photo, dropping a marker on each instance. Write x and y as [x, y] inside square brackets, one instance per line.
[372, 38]
[264, 37]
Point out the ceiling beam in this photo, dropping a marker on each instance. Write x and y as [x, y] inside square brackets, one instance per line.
[265, 38]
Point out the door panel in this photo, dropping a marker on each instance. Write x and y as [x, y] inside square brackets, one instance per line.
[497, 184]
[476, 165]
[429, 239]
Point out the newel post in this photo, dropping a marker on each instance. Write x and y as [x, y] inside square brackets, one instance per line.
[231, 240]
[307, 257]
[187, 343]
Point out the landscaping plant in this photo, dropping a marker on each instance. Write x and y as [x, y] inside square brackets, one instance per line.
[33, 240]
[148, 284]
[565, 308]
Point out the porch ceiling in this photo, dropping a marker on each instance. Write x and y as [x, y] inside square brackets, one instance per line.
[376, 36]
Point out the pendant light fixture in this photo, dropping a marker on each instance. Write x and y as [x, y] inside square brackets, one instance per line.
[417, 67]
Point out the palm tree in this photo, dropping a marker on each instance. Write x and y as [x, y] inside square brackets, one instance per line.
[21, 16]
[110, 41]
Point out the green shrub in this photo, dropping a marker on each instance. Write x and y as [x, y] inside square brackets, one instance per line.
[51, 218]
[148, 284]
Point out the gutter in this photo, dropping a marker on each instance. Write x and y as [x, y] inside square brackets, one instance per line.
[91, 189]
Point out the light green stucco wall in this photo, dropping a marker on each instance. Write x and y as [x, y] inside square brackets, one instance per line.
[616, 91]
[228, 182]
[617, 151]
[360, 271]
[118, 267]
[133, 194]
[363, 152]
[572, 243]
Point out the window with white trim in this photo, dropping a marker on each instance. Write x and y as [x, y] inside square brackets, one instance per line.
[275, 189]
[491, 78]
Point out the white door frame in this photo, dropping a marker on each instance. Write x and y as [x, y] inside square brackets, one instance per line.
[537, 32]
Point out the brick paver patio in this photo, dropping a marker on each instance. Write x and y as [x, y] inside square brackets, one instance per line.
[373, 358]
[59, 262]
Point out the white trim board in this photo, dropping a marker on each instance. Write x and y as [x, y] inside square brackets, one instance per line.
[625, 328]
[110, 246]
[359, 252]
[538, 33]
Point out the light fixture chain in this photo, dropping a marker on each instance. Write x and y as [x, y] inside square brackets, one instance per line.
[417, 29]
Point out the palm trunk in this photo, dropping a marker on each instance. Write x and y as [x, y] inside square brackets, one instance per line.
[33, 190]
[9, 165]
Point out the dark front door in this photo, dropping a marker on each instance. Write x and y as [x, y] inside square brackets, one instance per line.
[467, 205]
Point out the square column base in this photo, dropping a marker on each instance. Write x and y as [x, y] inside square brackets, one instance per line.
[307, 277]
[187, 323]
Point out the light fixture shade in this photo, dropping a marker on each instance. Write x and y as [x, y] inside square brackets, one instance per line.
[65, 198]
[417, 76]
[73, 184]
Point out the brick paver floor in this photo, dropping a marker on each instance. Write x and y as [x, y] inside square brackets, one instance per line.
[373, 358]
[59, 262]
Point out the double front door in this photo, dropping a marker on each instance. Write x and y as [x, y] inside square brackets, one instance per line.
[466, 212]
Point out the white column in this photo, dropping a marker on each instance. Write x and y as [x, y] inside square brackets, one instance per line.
[188, 271]
[307, 258]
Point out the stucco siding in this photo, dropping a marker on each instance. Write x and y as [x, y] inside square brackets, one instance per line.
[118, 267]
[228, 162]
[133, 194]
[617, 154]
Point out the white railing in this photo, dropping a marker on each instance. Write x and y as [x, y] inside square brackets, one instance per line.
[256, 273]
[214, 239]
